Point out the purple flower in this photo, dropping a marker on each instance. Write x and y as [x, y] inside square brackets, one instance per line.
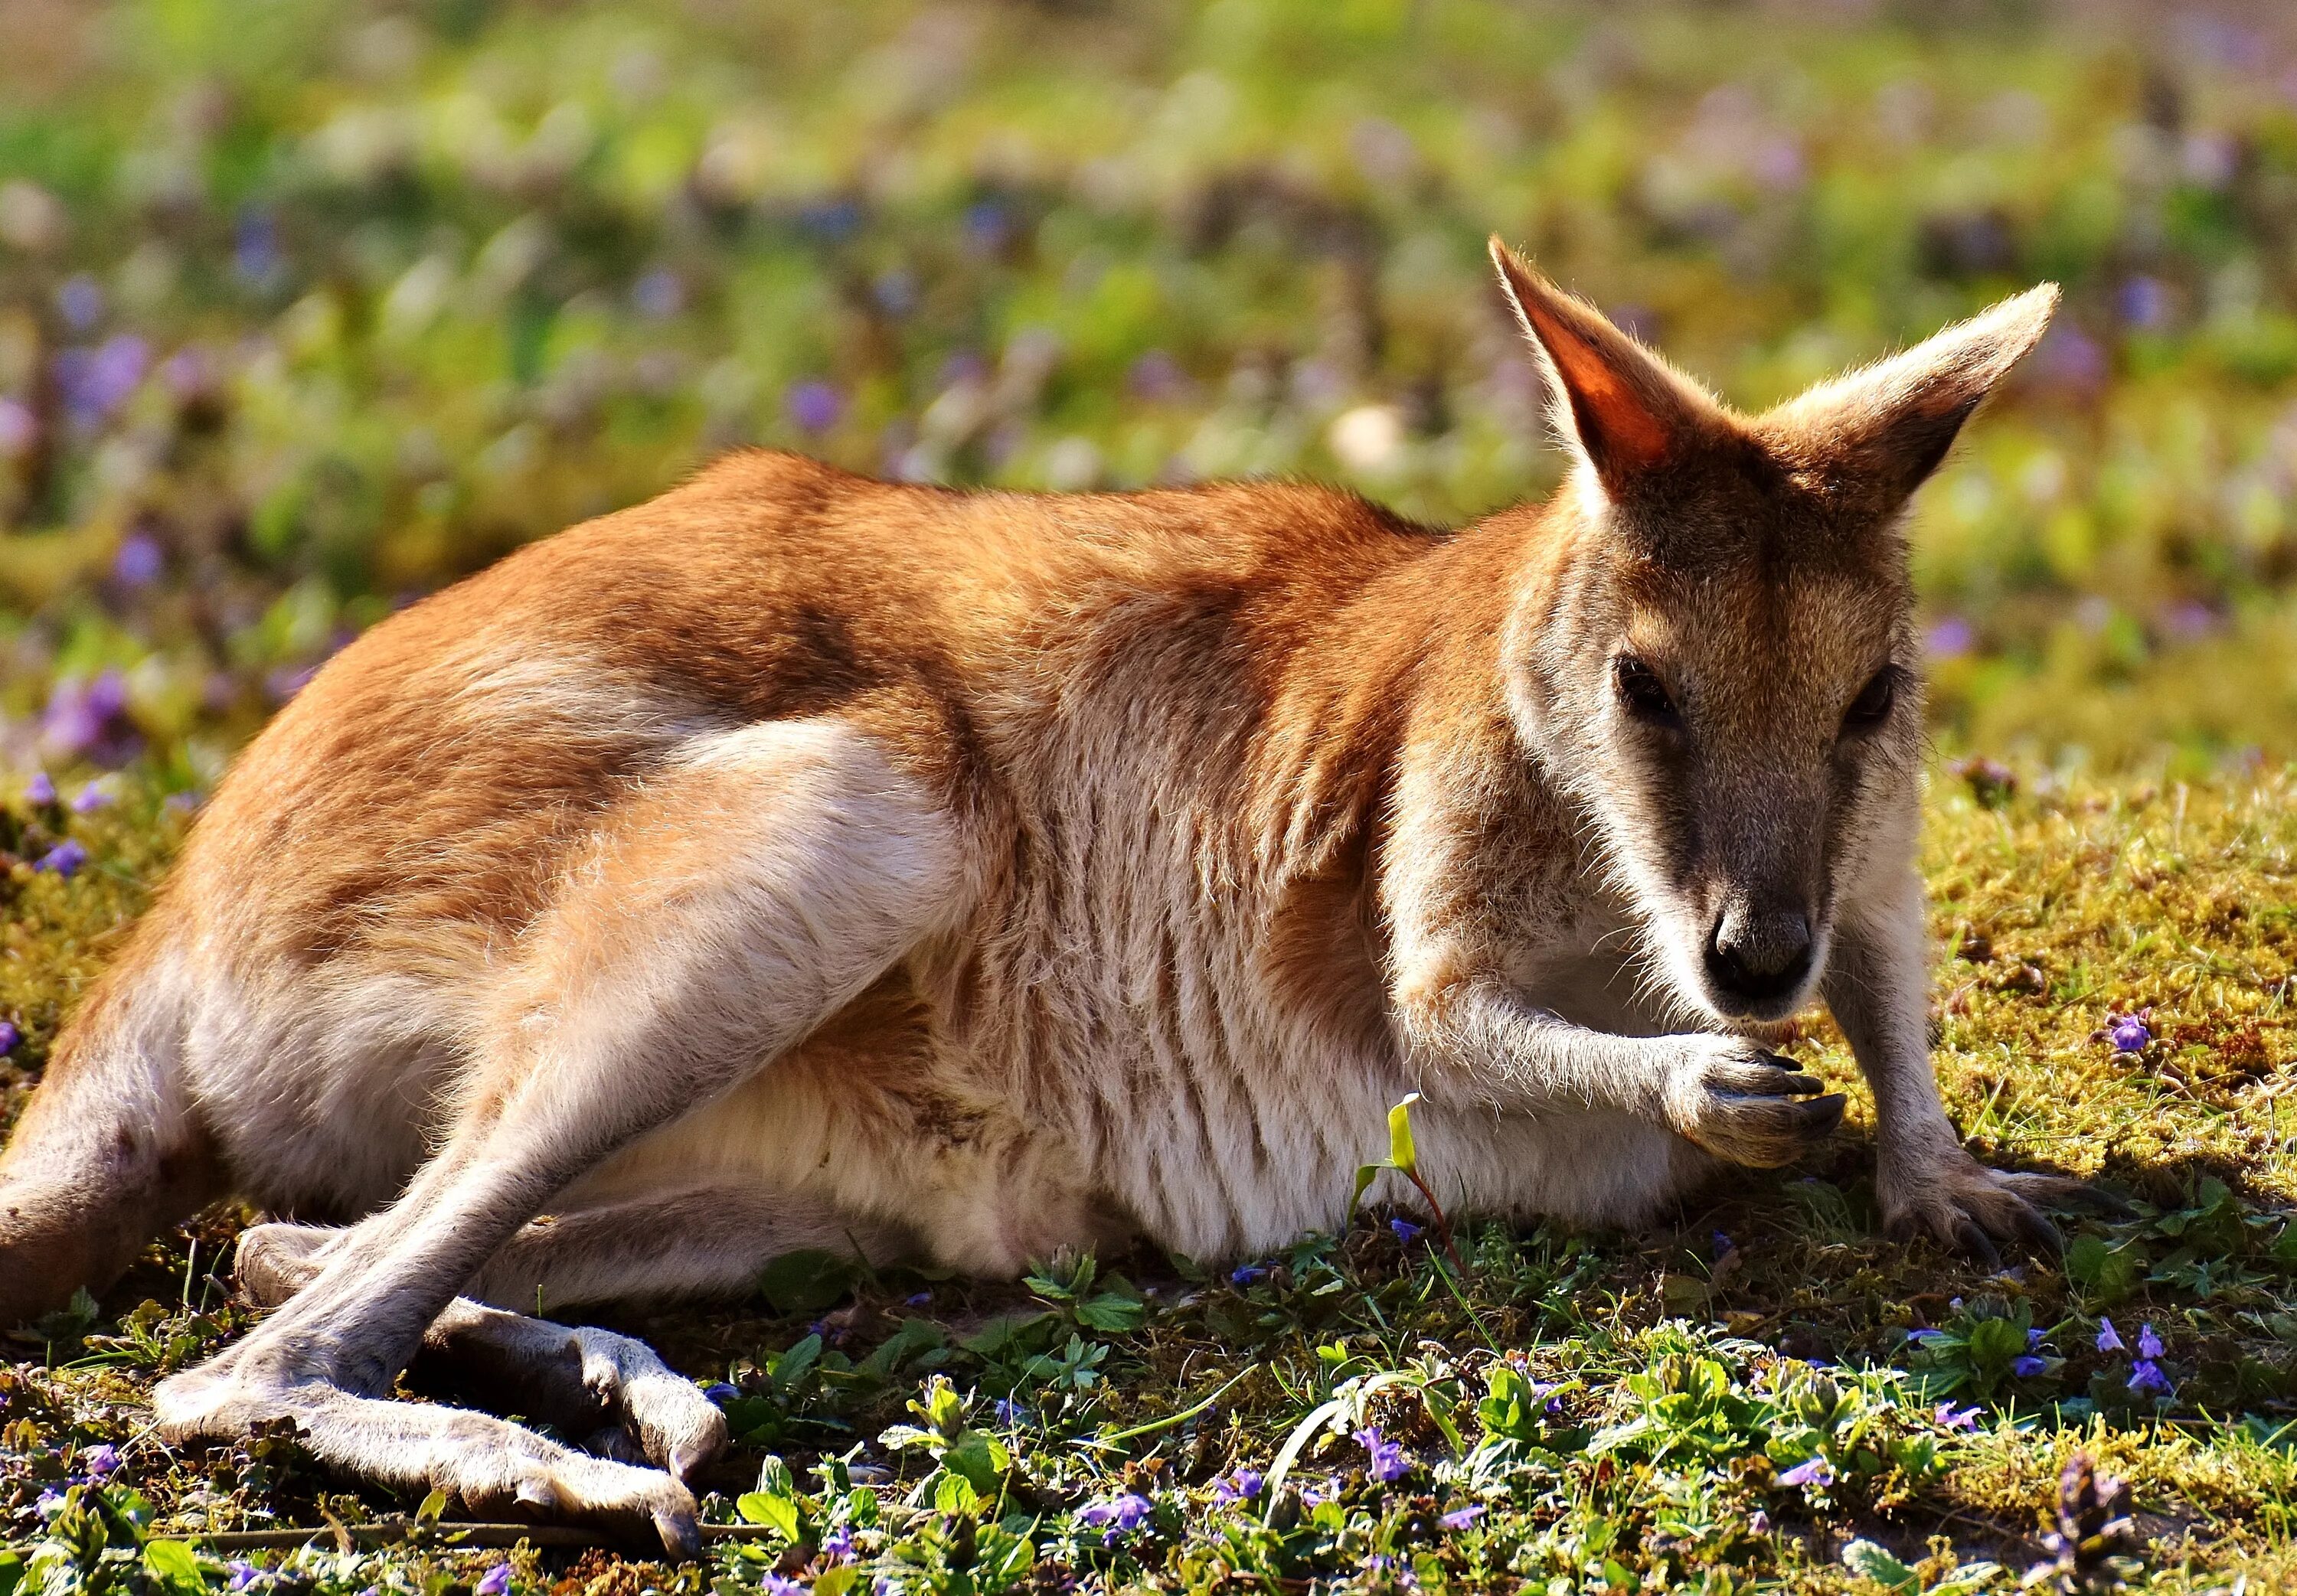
[51, 1503]
[1387, 1464]
[90, 799]
[722, 1392]
[1925, 1337]
[102, 1460]
[2149, 1344]
[1405, 1229]
[137, 562]
[839, 1543]
[1242, 1485]
[2109, 1339]
[2143, 302]
[255, 247]
[1952, 1418]
[80, 300]
[41, 789]
[2128, 1034]
[1815, 1471]
[659, 294]
[813, 405]
[2033, 1336]
[1118, 1516]
[2026, 1365]
[2146, 1378]
[17, 427]
[1461, 1518]
[1245, 1274]
[1316, 1496]
[64, 858]
[98, 382]
[1759, 1523]
[9, 1037]
[242, 1572]
[1951, 637]
[494, 1581]
[1009, 1413]
[1722, 1243]
[774, 1584]
[920, 1299]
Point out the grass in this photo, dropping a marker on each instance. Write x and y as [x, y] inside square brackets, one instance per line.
[1627, 1411]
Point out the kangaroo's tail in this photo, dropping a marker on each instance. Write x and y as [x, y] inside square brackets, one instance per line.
[110, 1150]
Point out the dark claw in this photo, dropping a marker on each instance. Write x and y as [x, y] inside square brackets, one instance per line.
[1972, 1238]
[2039, 1235]
[1818, 1117]
[681, 1537]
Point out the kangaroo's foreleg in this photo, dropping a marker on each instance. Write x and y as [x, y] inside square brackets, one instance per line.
[724, 912]
[1483, 1040]
[1876, 985]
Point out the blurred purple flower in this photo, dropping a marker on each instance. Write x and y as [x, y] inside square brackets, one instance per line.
[287, 681]
[1461, 1518]
[51, 1503]
[1722, 1243]
[242, 1572]
[494, 1581]
[813, 405]
[919, 1300]
[1759, 1523]
[1009, 1413]
[90, 799]
[659, 293]
[2189, 619]
[2034, 1336]
[255, 247]
[1923, 1338]
[2070, 360]
[102, 1460]
[2149, 1344]
[1159, 378]
[80, 301]
[2026, 1365]
[895, 291]
[1816, 1471]
[832, 219]
[65, 859]
[839, 1543]
[98, 382]
[771, 1583]
[2146, 1378]
[2143, 301]
[1405, 1229]
[2109, 1339]
[989, 227]
[1951, 637]
[9, 1037]
[17, 427]
[1950, 1416]
[41, 789]
[1245, 1274]
[2129, 1033]
[1242, 1485]
[138, 561]
[1387, 1462]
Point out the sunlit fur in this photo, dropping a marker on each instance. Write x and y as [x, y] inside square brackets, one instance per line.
[803, 861]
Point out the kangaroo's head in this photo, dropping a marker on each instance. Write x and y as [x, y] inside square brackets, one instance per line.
[1713, 648]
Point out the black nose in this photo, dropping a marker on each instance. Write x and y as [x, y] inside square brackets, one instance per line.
[1757, 957]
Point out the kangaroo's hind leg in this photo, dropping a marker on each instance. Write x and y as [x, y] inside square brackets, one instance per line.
[611, 1391]
[724, 911]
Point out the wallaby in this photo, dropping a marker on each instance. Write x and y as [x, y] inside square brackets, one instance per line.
[803, 861]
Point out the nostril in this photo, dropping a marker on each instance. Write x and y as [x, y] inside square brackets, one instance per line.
[1758, 956]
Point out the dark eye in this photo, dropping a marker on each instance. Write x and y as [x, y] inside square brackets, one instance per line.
[1874, 704]
[1643, 692]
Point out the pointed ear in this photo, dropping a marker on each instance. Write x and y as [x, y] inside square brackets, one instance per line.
[1622, 409]
[1891, 422]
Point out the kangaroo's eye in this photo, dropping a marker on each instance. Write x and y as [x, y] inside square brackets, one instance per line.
[1643, 694]
[1874, 704]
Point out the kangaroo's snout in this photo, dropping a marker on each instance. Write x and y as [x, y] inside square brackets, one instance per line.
[1758, 959]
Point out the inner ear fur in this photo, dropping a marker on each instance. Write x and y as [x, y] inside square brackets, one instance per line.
[1617, 405]
[1890, 423]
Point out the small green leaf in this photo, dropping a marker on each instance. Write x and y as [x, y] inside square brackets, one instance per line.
[174, 1564]
[1401, 1152]
[805, 1281]
[1870, 1561]
[433, 1509]
[11, 1572]
[1110, 1311]
[955, 1494]
[837, 1580]
[779, 1512]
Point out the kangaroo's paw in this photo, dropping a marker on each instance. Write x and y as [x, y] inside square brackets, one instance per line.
[588, 1382]
[1957, 1201]
[1733, 1100]
[275, 1261]
[494, 1466]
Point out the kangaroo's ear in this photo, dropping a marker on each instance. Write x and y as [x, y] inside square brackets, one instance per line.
[1891, 422]
[1620, 408]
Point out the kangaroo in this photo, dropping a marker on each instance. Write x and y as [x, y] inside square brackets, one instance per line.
[803, 861]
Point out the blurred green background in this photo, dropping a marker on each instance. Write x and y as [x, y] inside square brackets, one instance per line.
[307, 307]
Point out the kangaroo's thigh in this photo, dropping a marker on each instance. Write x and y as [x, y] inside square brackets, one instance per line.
[721, 913]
